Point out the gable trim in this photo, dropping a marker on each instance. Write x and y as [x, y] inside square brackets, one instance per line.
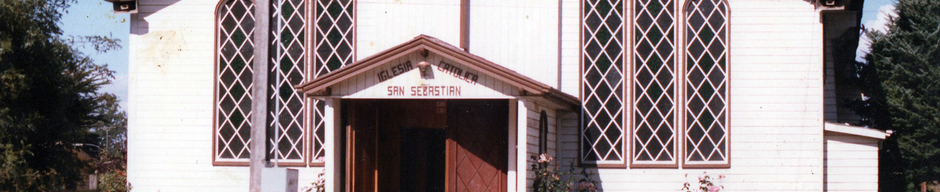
[527, 86]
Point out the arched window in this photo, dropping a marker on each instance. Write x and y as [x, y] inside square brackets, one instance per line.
[654, 91]
[650, 104]
[602, 82]
[286, 109]
[332, 41]
[234, 47]
[706, 85]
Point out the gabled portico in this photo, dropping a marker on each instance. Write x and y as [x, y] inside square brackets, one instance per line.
[428, 101]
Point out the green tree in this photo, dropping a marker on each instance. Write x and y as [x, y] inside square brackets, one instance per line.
[902, 77]
[48, 97]
[112, 128]
[111, 162]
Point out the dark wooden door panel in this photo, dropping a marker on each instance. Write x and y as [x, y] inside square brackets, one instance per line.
[362, 160]
[478, 132]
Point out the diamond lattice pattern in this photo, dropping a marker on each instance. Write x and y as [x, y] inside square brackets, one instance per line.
[602, 81]
[654, 90]
[235, 48]
[706, 85]
[333, 41]
[286, 106]
[480, 155]
[334, 35]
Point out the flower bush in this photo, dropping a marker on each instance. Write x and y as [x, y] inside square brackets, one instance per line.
[111, 167]
[549, 178]
[705, 184]
[113, 182]
[318, 185]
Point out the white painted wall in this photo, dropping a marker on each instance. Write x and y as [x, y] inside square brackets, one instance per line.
[570, 47]
[520, 35]
[170, 101]
[381, 24]
[851, 162]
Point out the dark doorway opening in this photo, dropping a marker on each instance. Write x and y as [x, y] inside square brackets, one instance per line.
[423, 154]
[426, 145]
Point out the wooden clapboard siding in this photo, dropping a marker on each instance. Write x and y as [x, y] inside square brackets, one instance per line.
[776, 107]
[170, 101]
[533, 114]
[520, 35]
[837, 93]
[830, 103]
[570, 46]
[851, 162]
[382, 24]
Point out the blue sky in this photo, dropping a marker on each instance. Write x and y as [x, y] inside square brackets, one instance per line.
[875, 15]
[95, 17]
[871, 7]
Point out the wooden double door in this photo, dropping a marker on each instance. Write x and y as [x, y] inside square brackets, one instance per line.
[426, 145]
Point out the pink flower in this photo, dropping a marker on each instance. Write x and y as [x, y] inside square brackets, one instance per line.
[714, 188]
[544, 158]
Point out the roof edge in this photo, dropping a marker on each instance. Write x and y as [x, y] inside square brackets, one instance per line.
[428, 43]
[857, 131]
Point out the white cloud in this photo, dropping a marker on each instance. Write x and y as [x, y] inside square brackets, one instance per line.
[880, 23]
[885, 13]
[118, 87]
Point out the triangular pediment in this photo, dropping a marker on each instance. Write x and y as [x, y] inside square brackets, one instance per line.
[397, 73]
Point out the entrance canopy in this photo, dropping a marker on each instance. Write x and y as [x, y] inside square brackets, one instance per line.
[428, 68]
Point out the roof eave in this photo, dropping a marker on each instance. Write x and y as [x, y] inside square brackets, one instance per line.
[423, 42]
[857, 131]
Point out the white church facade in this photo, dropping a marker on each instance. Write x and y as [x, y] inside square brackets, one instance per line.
[428, 95]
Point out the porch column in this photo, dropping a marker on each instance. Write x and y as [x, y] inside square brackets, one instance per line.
[333, 132]
[522, 159]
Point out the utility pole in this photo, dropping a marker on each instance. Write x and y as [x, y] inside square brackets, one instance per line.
[259, 91]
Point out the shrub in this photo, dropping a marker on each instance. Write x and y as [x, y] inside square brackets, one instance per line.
[549, 178]
[113, 182]
[316, 186]
[705, 184]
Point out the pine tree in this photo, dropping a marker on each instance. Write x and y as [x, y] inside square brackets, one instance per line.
[902, 77]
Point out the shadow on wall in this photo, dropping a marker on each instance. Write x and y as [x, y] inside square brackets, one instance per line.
[139, 25]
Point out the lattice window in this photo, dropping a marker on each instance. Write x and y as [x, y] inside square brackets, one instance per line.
[333, 41]
[286, 107]
[234, 72]
[706, 82]
[334, 35]
[602, 82]
[654, 84]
